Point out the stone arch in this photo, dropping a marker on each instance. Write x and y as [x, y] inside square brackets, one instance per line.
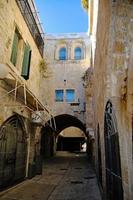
[114, 189]
[13, 151]
[49, 135]
[65, 120]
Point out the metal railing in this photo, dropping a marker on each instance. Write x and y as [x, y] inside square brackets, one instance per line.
[29, 18]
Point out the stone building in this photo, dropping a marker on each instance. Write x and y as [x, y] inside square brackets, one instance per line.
[32, 87]
[111, 32]
[67, 58]
[21, 54]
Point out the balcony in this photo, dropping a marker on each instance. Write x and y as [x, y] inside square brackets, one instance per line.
[29, 17]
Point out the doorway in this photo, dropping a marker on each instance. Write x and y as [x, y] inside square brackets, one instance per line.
[112, 155]
[13, 151]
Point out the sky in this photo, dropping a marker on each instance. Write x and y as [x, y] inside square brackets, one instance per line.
[62, 16]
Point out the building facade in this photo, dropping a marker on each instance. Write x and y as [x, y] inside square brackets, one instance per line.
[111, 31]
[21, 53]
[67, 57]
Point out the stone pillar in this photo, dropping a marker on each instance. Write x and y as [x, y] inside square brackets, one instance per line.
[35, 161]
[48, 142]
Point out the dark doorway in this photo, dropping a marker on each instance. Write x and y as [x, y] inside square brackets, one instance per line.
[12, 151]
[47, 142]
[70, 143]
[99, 156]
[112, 154]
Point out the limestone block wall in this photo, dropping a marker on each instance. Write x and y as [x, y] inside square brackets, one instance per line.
[89, 98]
[119, 91]
[66, 74]
[113, 81]
[99, 76]
[93, 19]
[10, 19]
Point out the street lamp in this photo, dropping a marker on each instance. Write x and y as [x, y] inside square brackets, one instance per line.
[3, 71]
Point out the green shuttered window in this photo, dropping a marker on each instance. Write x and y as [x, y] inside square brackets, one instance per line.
[15, 48]
[26, 62]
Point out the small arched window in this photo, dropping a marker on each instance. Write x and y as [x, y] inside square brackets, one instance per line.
[62, 54]
[78, 53]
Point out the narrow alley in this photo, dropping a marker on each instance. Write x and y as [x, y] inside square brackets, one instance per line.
[68, 176]
[66, 100]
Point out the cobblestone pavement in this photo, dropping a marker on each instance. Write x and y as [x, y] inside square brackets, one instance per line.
[68, 176]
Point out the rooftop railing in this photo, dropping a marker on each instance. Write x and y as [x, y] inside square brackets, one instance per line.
[29, 17]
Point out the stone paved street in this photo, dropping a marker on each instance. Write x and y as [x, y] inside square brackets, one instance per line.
[68, 176]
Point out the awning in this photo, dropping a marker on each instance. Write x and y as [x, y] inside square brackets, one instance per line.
[17, 87]
[23, 94]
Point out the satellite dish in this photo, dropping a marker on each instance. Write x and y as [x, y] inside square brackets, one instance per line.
[4, 71]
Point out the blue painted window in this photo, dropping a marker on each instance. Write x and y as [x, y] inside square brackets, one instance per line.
[62, 54]
[70, 95]
[59, 95]
[78, 53]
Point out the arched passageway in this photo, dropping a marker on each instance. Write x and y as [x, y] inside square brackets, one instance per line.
[13, 151]
[65, 121]
[112, 154]
[71, 139]
[50, 137]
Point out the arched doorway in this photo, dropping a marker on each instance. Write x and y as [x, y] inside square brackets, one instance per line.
[112, 155]
[12, 151]
[99, 155]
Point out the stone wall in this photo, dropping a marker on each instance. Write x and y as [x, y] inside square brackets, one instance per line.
[113, 81]
[7, 28]
[66, 74]
[10, 104]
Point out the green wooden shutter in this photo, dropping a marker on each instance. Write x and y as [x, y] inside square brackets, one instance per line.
[14, 48]
[26, 62]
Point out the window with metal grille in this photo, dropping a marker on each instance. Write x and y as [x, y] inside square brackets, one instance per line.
[59, 95]
[29, 18]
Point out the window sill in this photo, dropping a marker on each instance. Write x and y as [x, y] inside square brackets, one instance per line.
[15, 70]
[59, 101]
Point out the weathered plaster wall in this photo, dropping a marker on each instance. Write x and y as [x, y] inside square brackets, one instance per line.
[113, 80]
[10, 18]
[66, 74]
[72, 132]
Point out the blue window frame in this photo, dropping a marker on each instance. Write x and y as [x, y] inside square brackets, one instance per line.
[70, 95]
[62, 54]
[59, 95]
[78, 53]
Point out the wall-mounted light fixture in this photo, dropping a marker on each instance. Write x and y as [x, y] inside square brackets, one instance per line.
[64, 82]
[4, 71]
